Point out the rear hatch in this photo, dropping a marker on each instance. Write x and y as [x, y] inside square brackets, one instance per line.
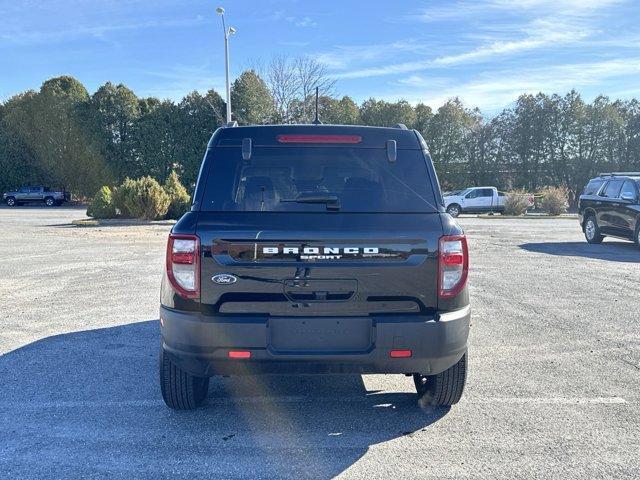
[303, 224]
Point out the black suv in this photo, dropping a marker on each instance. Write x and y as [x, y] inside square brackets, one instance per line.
[610, 206]
[315, 249]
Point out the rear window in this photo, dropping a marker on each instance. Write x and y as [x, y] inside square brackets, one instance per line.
[318, 179]
[612, 190]
[592, 187]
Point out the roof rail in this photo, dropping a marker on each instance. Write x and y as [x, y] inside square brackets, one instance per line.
[621, 174]
[401, 126]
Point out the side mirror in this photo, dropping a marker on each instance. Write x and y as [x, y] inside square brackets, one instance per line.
[628, 197]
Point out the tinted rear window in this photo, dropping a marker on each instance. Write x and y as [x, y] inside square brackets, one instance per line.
[612, 190]
[358, 179]
[592, 187]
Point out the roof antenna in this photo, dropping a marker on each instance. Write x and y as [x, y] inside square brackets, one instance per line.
[317, 120]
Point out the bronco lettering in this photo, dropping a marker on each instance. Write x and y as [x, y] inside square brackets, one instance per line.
[316, 250]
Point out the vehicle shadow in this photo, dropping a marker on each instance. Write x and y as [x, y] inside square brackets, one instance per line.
[88, 404]
[610, 250]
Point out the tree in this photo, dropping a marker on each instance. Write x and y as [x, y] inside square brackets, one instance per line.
[339, 112]
[156, 141]
[423, 116]
[449, 137]
[115, 109]
[251, 99]
[311, 74]
[52, 128]
[17, 160]
[385, 114]
[198, 117]
[284, 85]
[61, 136]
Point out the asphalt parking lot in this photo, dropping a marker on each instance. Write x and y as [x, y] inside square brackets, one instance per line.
[553, 388]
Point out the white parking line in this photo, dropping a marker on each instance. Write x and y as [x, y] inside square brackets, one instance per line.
[550, 400]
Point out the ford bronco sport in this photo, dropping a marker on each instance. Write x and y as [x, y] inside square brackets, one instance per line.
[315, 249]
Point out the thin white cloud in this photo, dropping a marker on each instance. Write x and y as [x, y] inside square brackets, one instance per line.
[564, 23]
[485, 52]
[294, 43]
[343, 56]
[177, 81]
[305, 22]
[475, 9]
[302, 22]
[30, 37]
[495, 90]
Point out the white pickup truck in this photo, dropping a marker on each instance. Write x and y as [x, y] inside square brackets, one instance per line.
[474, 200]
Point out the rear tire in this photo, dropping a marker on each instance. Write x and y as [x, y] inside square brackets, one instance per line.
[592, 231]
[11, 202]
[180, 390]
[637, 237]
[444, 389]
[454, 210]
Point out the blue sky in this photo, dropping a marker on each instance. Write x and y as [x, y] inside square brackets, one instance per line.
[485, 52]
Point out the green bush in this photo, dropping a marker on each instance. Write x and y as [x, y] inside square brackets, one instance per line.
[516, 203]
[101, 205]
[123, 196]
[555, 200]
[179, 199]
[145, 198]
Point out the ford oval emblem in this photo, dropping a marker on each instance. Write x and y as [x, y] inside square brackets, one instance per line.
[224, 279]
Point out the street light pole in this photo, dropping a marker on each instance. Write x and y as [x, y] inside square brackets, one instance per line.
[227, 32]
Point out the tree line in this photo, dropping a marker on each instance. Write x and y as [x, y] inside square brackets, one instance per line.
[61, 135]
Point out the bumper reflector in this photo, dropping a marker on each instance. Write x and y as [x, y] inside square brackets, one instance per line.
[400, 353]
[239, 354]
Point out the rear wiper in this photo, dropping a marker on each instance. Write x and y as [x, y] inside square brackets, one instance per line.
[331, 201]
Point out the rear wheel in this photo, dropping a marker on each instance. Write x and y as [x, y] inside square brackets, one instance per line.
[592, 231]
[637, 236]
[443, 389]
[454, 210]
[49, 202]
[180, 390]
[11, 201]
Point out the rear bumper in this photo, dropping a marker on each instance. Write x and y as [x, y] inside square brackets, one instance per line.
[200, 345]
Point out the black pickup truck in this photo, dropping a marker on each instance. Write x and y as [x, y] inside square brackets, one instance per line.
[315, 249]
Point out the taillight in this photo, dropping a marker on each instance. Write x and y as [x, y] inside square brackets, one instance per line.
[453, 265]
[183, 264]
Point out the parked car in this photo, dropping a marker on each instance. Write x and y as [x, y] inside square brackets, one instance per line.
[610, 207]
[37, 194]
[475, 200]
[315, 249]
